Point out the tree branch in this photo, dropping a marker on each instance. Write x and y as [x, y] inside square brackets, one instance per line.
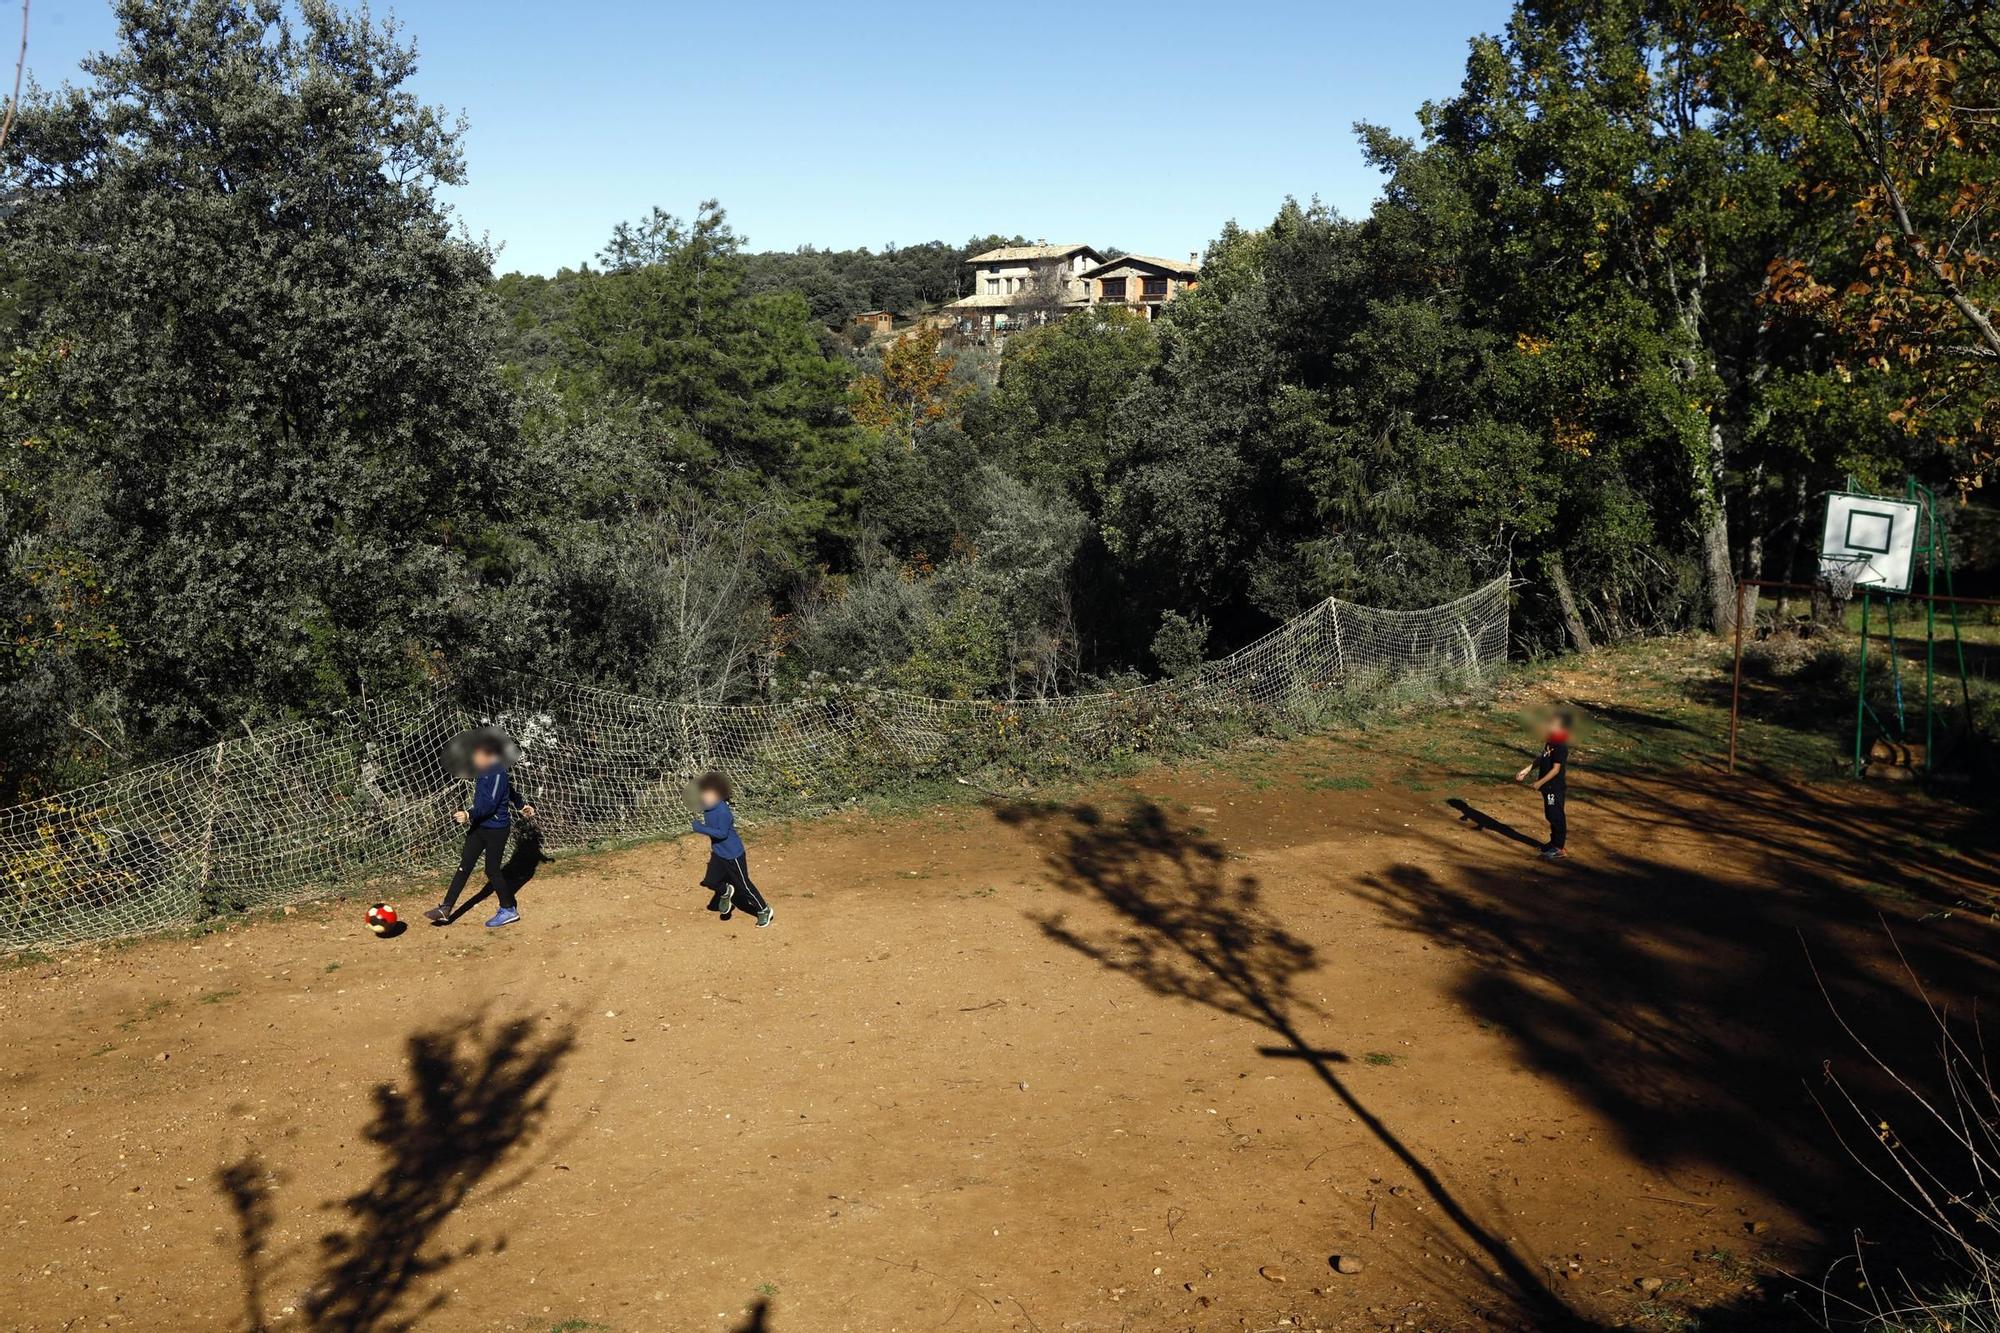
[20, 68]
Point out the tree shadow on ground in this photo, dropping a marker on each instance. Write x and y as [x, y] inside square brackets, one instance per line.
[1190, 931]
[1696, 1001]
[473, 1095]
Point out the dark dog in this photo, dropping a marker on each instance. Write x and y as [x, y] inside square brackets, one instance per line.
[527, 855]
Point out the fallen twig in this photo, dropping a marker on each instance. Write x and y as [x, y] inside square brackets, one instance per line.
[1678, 1203]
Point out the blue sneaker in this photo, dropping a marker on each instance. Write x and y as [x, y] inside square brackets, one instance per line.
[506, 916]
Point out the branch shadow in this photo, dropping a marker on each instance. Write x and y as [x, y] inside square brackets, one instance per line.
[472, 1095]
[1685, 975]
[248, 1187]
[1190, 931]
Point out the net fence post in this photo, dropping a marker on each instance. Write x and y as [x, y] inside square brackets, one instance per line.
[202, 898]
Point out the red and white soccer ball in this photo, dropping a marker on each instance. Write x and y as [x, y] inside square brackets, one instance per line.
[381, 918]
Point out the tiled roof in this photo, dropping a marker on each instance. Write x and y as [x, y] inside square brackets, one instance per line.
[1013, 254]
[1010, 300]
[1173, 266]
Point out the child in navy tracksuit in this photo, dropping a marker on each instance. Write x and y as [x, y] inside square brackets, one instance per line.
[728, 876]
[487, 823]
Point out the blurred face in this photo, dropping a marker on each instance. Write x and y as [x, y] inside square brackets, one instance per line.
[485, 756]
[710, 798]
[1553, 725]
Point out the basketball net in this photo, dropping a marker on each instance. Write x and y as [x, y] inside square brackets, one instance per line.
[1838, 574]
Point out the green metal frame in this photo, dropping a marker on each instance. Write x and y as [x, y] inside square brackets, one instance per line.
[1934, 548]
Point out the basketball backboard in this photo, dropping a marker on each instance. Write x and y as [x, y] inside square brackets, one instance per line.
[1872, 538]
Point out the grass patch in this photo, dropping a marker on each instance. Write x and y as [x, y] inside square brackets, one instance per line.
[216, 996]
[1666, 1318]
[151, 1011]
[1732, 1265]
[1644, 706]
[1381, 1058]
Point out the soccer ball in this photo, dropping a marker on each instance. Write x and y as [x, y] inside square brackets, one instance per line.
[381, 918]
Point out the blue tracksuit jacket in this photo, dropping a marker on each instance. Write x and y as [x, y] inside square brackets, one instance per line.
[492, 806]
[719, 824]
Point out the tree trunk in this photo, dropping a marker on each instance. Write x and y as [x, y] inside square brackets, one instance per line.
[1718, 579]
[1753, 546]
[1696, 368]
[1579, 633]
[1795, 537]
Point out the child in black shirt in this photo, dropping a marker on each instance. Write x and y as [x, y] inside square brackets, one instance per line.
[1551, 774]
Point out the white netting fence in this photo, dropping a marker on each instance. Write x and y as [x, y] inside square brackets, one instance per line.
[275, 816]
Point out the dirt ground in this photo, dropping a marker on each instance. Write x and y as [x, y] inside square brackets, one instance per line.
[1149, 1057]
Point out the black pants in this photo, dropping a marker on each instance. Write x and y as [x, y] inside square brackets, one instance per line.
[1552, 806]
[733, 874]
[490, 843]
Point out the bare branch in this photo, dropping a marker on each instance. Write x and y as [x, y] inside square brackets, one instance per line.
[20, 68]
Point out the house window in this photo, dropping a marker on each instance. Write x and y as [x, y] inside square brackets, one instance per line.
[1114, 289]
[993, 286]
[1155, 289]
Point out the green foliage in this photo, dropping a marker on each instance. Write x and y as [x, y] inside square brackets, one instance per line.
[273, 439]
[1059, 391]
[1322, 422]
[840, 283]
[669, 326]
[957, 653]
[264, 347]
[1181, 645]
[990, 617]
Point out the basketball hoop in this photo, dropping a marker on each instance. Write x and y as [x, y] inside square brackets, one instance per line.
[1869, 541]
[1838, 573]
[1890, 549]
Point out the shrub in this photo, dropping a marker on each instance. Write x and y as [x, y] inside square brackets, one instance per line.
[1789, 655]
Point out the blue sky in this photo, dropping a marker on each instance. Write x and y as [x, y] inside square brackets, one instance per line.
[1140, 125]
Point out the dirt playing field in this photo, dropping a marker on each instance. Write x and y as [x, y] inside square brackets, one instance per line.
[1147, 1057]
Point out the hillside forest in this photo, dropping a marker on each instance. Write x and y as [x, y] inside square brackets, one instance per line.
[278, 439]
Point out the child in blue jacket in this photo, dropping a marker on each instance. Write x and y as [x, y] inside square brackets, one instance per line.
[487, 823]
[728, 876]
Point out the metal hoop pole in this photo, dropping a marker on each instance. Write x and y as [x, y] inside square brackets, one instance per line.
[1861, 685]
[1736, 682]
